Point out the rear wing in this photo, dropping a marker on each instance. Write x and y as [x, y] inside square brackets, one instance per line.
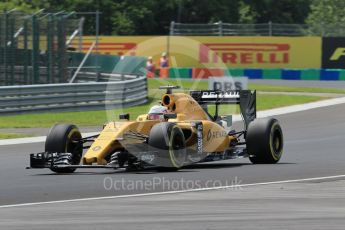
[245, 98]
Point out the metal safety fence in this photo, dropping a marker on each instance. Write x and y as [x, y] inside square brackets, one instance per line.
[260, 29]
[73, 96]
[35, 48]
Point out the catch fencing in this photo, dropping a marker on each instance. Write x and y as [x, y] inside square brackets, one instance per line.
[36, 48]
[260, 29]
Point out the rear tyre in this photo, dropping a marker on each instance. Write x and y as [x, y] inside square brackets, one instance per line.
[62, 139]
[168, 140]
[264, 141]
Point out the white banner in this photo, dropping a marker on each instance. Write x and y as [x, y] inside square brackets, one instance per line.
[227, 83]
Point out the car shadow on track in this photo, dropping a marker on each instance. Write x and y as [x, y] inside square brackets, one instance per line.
[153, 170]
[185, 169]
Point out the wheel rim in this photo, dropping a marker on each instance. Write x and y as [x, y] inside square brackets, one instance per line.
[74, 148]
[277, 141]
[177, 153]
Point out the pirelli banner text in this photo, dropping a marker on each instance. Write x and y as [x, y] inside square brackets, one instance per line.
[212, 51]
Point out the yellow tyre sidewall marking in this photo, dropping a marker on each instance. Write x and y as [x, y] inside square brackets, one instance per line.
[74, 130]
[173, 160]
[275, 157]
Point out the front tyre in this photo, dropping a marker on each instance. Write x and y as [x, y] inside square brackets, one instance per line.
[168, 140]
[64, 139]
[264, 141]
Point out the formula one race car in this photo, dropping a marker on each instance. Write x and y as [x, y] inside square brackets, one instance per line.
[186, 133]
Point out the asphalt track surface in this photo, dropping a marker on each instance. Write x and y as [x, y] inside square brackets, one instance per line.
[309, 206]
[314, 147]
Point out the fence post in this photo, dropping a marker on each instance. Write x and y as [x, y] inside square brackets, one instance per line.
[25, 52]
[62, 63]
[1, 42]
[220, 28]
[5, 47]
[97, 34]
[172, 26]
[270, 28]
[35, 49]
[50, 38]
[80, 31]
[12, 49]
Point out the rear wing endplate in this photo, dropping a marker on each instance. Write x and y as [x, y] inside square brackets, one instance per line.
[245, 98]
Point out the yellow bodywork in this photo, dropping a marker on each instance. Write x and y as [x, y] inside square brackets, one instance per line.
[188, 111]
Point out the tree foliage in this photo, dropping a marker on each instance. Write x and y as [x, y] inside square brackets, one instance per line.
[327, 12]
[282, 11]
[145, 17]
[327, 17]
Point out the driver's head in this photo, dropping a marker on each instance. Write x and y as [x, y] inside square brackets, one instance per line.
[157, 112]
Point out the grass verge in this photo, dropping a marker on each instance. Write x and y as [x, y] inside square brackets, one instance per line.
[97, 118]
[203, 84]
[273, 88]
[13, 135]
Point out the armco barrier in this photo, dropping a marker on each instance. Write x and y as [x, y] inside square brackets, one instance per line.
[72, 97]
[277, 74]
[84, 76]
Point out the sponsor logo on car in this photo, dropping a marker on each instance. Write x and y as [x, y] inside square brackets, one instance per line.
[215, 134]
[222, 94]
[199, 131]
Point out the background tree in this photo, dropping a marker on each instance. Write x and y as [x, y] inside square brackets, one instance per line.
[153, 17]
[327, 17]
[21, 5]
[282, 11]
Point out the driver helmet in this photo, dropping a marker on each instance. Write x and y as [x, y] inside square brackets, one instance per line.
[157, 112]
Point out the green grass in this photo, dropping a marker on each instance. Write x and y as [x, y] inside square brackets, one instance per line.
[91, 118]
[13, 135]
[272, 88]
[203, 84]
[277, 100]
[97, 118]
[185, 84]
[265, 102]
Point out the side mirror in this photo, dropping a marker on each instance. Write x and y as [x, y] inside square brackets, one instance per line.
[124, 116]
[228, 120]
[170, 115]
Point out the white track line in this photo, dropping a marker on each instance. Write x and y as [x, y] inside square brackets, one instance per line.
[171, 192]
[296, 108]
[301, 107]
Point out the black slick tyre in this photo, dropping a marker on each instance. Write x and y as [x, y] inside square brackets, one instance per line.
[62, 139]
[264, 141]
[168, 140]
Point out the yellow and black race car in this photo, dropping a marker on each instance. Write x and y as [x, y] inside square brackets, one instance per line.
[185, 133]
